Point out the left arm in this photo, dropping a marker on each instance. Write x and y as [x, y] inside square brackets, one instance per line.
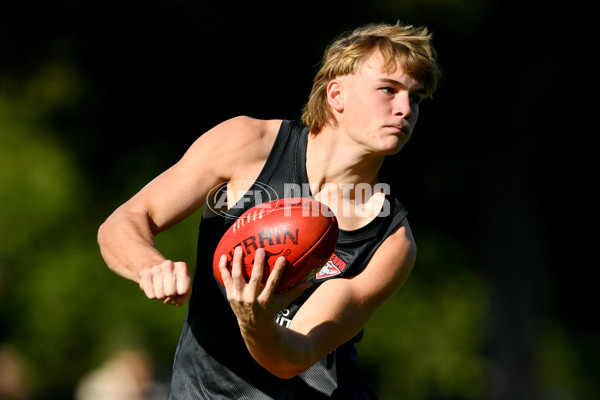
[331, 316]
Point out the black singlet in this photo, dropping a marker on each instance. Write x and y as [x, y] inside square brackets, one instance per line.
[211, 360]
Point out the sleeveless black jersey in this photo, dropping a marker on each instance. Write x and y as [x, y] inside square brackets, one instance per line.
[211, 360]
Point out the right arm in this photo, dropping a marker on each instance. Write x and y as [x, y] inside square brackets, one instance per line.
[235, 149]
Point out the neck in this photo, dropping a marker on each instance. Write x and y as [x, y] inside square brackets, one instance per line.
[335, 166]
[330, 159]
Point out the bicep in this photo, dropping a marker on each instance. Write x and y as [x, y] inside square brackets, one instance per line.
[341, 307]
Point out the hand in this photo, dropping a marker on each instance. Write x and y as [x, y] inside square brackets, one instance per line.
[255, 304]
[169, 281]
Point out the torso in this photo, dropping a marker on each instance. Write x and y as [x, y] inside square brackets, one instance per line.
[204, 365]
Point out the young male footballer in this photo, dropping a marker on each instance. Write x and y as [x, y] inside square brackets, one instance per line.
[242, 340]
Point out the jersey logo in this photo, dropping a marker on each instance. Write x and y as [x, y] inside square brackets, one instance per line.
[282, 318]
[334, 266]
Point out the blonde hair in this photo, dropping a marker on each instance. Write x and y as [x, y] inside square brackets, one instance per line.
[404, 44]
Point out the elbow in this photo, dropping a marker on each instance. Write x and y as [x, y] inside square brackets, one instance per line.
[287, 373]
[107, 247]
[285, 368]
[102, 236]
[283, 352]
[291, 367]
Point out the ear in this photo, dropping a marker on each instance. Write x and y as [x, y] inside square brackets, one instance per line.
[334, 95]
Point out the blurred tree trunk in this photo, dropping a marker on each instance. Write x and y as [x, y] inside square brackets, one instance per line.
[516, 136]
[513, 258]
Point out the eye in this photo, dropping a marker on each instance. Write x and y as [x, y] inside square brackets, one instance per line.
[388, 90]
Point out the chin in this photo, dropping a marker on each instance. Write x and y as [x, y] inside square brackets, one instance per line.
[392, 149]
[393, 152]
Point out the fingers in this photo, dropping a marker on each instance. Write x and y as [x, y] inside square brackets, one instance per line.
[183, 280]
[257, 271]
[237, 274]
[275, 276]
[287, 296]
[255, 304]
[236, 278]
[169, 281]
[225, 273]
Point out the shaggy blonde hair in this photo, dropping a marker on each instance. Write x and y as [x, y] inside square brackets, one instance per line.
[408, 46]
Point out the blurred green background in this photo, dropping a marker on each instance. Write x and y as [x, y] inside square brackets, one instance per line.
[97, 98]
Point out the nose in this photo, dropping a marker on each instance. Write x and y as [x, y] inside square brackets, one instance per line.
[403, 104]
[405, 107]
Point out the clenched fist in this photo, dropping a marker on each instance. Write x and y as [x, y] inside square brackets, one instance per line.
[168, 281]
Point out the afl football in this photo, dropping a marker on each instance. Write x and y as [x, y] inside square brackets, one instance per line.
[303, 230]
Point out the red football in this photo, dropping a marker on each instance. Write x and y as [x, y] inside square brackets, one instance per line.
[303, 230]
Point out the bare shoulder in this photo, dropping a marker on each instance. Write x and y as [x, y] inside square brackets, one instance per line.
[245, 130]
[389, 267]
[237, 146]
[400, 250]
[403, 240]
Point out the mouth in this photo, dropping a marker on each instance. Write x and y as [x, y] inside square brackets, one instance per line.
[402, 129]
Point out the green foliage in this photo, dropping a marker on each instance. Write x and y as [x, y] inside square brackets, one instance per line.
[425, 341]
[37, 178]
[566, 361]
[62, 309]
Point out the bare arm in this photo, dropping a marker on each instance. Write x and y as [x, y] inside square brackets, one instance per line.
[332, 315]
[126, 238]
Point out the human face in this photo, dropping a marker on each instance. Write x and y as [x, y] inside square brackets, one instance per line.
[378, 108]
